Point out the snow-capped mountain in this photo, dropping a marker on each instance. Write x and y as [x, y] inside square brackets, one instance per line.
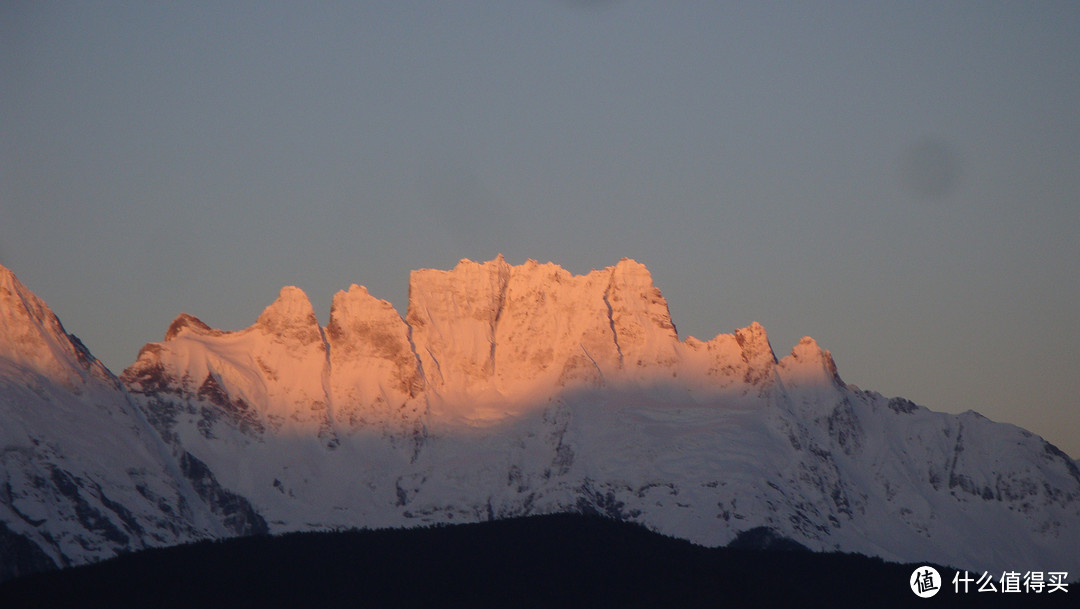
[82, 474]
[510, 390]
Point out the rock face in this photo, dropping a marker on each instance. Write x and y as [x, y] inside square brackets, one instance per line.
[375, 379]
[514, 331]
[510, 390]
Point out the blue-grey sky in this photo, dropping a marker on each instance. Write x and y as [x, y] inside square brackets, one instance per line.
[899, 180]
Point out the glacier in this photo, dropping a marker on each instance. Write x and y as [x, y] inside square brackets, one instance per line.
[505, 390]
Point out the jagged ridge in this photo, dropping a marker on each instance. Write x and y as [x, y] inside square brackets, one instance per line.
[513, 390]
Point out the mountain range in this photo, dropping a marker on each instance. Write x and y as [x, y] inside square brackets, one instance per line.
[504, 391]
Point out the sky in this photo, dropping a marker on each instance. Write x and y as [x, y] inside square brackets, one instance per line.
[900, 181]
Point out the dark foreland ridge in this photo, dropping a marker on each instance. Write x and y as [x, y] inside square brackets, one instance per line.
[566, 560]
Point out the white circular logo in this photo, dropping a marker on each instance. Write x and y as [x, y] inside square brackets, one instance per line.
[925, 582]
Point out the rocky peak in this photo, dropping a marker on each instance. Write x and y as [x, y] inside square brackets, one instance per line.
[291, 317]
[31, 334]
[191, 323]
[23, 315]
[361, 324]
[373, 367]
[515, 326]
[755, 344]
[357, 305]
[8, 281]
[809, 364]
[453, 315]
[639, 316]
[554, 328]
[757, 353]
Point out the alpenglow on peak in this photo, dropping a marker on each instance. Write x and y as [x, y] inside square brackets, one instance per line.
[504, 391]
[480, 333]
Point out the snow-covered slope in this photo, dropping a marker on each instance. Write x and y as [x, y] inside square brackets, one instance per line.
[82, 475]
[510, 390]
[288, 414]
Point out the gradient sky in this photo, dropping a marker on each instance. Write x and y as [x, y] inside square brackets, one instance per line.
[899, 180]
